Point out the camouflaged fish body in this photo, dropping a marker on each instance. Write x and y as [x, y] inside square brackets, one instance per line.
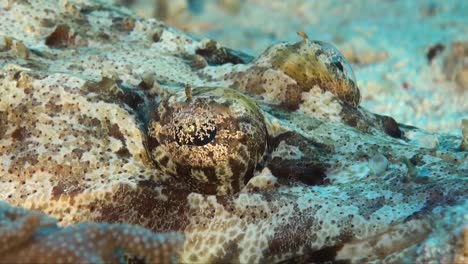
[266, 160]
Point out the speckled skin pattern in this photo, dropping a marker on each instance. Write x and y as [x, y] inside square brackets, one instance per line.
[88, 132]
[32, 237]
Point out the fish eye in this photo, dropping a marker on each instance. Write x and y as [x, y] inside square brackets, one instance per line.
[335, 57]
[212, 143]
[339, 65]
[196, 135]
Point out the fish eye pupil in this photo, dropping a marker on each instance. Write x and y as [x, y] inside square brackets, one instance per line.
[339, 65]
[196, 135]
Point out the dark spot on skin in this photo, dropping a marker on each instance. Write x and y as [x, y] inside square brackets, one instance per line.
[70, 188]
[196, 62]
[78, 153]
[246, 172]
[219, 55]
[151, 143]
[60, 38]
[354, 118]
[17, 75]
[326, 255]
[47, 22]
[114, 131]
[293, 97]
[434, 51]
[132, 99]
[164, 160]
[144, 86]
[123, 152]
[309, 169]
[417, 160]
[19, 134]
[53, 107]
[313, 176]
[156, 37]
[3, 123]
[112, 91]
[305, 170]
[123, 24]
[391, 127]
[57, 191]
[103, 36]
[233, 252]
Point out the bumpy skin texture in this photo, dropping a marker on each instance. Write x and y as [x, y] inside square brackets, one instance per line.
[308, 63]
[32, 237]
[75, 144]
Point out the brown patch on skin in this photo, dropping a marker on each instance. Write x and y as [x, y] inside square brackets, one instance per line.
[164, 160]
[307, 172]
[123, 152]
[215, 55]
[309, 169]
[47, 22]
[23, 166]
[51, 106]
[68, 188]
[390, 126]
[156, 37]
[106, 87]
[92, 122]
[194, 61]
[78, 153]
[132, 99]
[19, 134]
[123, 24]
[326, 255]
[238, 167]
[3, 123]
[114, 131]
[111, 91]
[30, 158]
[353, 117]
[60, 38]
[293, 98]
[145, 206]
[251, 80]
[232, 252]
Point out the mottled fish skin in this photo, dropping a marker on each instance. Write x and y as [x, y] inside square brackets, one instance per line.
[74, 143]
[30, 237]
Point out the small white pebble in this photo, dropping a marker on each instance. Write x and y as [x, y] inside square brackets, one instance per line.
[378, 164]
[428, 141]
